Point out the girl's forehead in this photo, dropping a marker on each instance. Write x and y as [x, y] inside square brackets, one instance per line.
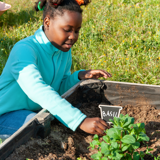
[68, 17]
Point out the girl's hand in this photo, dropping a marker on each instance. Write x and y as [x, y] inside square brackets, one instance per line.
[94, 126]
[95, 74]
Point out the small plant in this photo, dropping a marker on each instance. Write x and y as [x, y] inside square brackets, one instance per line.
[121, 141]
[157, 158]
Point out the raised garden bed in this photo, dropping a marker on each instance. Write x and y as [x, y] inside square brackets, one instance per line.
[139, 101]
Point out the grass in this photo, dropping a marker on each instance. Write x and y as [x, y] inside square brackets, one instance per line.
[119, 36]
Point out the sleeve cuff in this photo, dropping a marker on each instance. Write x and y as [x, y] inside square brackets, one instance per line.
[75, 77]
[80, 120]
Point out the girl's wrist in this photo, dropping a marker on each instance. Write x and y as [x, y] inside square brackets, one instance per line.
[80, 75]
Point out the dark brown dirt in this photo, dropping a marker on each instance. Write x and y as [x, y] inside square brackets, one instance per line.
[63, 144]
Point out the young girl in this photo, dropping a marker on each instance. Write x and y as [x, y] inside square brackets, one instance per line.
[38, 72]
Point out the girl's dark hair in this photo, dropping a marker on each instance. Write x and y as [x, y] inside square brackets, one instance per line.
[51, 9]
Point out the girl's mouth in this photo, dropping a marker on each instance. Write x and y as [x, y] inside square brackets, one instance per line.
[68, 45]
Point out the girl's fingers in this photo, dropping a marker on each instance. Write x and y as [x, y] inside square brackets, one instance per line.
[94, 125]
[100, 127]
[97, 76]
[104, 73]
[95, 132]
[99, 131]
[94, 74]
[105, 124]
[101, 73]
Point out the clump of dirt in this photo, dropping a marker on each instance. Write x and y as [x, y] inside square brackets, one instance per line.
[62, 143]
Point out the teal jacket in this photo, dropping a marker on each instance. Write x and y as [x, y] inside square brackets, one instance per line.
[34, 77]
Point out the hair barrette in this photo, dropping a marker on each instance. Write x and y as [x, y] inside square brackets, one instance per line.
[80, 2]
[55, 4]
[40, 9]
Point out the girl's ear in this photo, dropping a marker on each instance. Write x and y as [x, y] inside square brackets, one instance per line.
[46, 22]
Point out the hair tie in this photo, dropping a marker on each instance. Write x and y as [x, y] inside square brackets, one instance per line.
[55, 4]
[80, 2]
[40, 9]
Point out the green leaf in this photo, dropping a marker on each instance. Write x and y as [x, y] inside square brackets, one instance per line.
[136, 156]
[106, 138]
[104, 158]
[91, 145]
[143, 137]
[96, 142]
[137, 128]
[119, 156]
[114, 133]
[114, 155]
[105, 148]
[134, 129]
[141, 125]
[97, 156]
[149, 149]
[130, 120]
[114, 145]
[107, 153]
[142, 154]
[130, 149]
[119, 127]
[95, 137]
[128, 139]
[121, 116]
[111, 157]
[111, 120]
[128, 156]
[136, 145]
[117, 121]
[124, 148]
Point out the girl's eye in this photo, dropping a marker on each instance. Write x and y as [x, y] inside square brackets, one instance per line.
[77, 31]
[67, 30]
[70, 30]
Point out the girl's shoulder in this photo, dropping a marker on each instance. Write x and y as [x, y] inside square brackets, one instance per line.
[28, 41]
[25, 48]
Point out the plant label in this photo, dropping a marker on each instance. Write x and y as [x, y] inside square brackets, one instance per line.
[109, 112]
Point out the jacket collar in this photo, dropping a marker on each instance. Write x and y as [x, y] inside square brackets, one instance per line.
[44, 42]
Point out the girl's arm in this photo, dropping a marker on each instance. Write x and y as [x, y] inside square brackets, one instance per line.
[25, 71]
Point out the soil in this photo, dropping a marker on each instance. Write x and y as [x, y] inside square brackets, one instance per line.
[64, 144]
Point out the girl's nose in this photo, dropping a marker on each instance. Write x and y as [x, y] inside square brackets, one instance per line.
[72, 35]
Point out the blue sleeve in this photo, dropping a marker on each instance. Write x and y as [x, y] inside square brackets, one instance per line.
[24, 69]
[69, 80]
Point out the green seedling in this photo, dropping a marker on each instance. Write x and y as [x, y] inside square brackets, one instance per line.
[121, 141]
[157, 158]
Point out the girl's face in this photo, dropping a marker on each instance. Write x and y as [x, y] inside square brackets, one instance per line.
[63, 30]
